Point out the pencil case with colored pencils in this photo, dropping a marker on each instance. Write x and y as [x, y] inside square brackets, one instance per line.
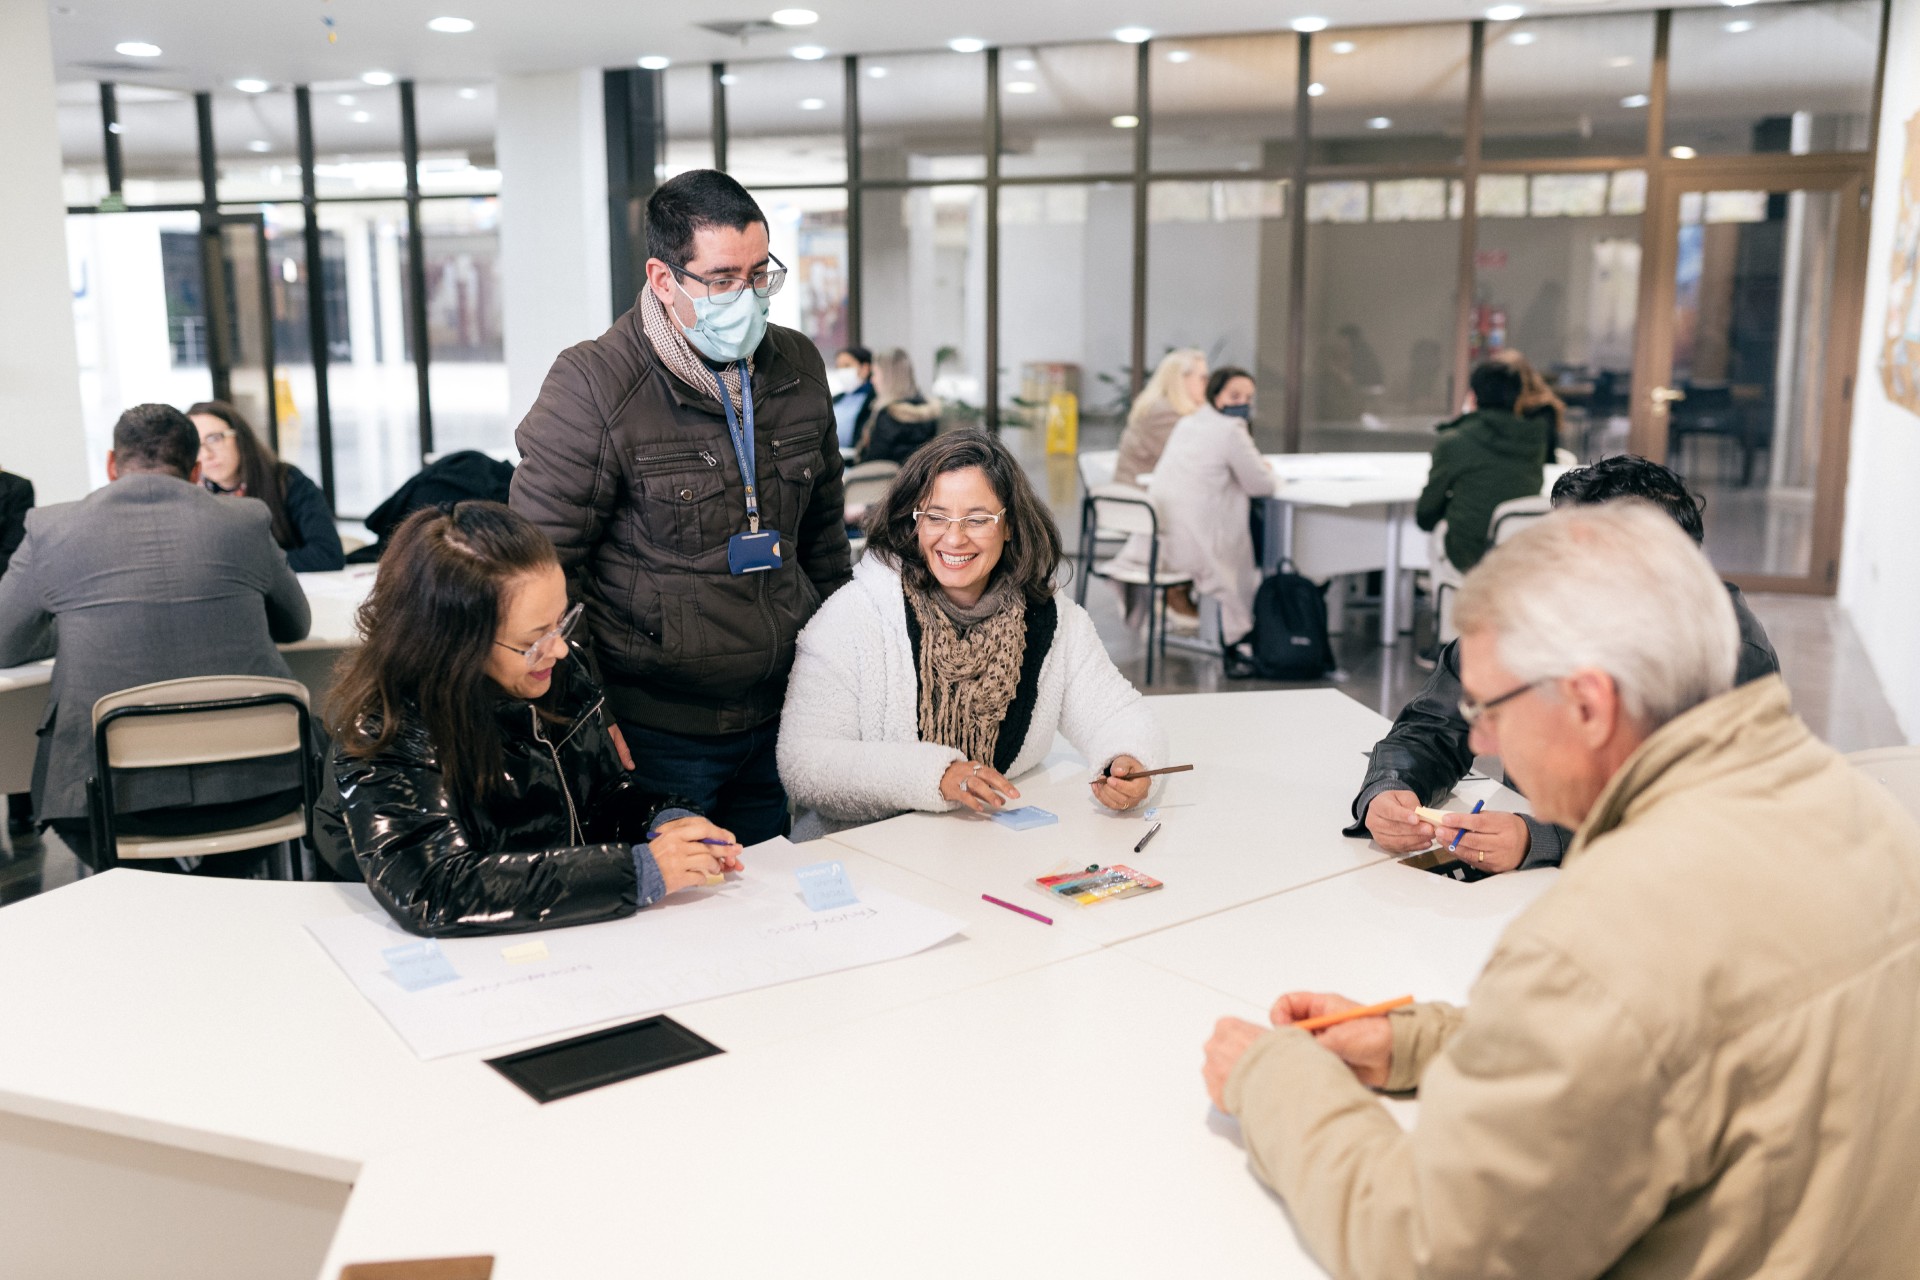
[1088, 887]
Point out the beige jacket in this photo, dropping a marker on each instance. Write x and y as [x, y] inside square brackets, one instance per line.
[1142, 443]
[1698, 1055]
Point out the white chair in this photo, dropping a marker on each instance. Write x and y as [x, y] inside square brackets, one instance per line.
[199, 721]
[1515, 514]
[1895, 768]
[1126, 511]
[1509, 518]
[1095, 468]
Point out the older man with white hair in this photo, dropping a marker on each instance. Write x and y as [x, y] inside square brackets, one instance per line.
[1695, 1055]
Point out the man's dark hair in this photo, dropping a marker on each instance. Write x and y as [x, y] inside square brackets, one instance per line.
[1631, 476]
[156, 437]
[1496, 385]
[1217, 380]
[860, 354]
[685, 204]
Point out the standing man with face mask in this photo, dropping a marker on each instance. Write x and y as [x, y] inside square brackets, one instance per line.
[687, 467]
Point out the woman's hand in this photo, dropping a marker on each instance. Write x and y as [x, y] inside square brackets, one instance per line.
[979, 787]
[1117, 789]
[686, 860]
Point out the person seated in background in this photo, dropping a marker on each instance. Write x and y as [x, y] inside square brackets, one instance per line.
[947, 666]
[1537, 401]
[1203, 488]
[902, 419]
[1428, 750]
[234, 462]
[150, 578]
[1178, 387]
[466, 476]
[1484, 457]
[1689, 1058]
[851, 381]
[475, 784]
[16, 499]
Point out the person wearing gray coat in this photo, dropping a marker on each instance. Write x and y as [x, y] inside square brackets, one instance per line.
[150, 578]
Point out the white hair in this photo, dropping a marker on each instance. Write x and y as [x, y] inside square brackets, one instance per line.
[1617, 587]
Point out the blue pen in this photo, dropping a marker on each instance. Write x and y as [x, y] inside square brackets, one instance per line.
[655, 835]
[1478, 805]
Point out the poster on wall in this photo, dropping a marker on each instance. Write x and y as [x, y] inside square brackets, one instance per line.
[1900, 351]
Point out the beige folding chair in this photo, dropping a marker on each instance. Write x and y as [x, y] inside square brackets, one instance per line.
[1895, 768]
[197, 721]
[1126, 511]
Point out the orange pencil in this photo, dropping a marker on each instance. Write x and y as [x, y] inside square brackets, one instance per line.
[1364, 1011]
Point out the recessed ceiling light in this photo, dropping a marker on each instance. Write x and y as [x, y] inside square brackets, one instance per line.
[1635, 100]
[1308, 24]
[345, 99]
[808, 52]
[1506, 12]
[1380, 122]
[1682, 153]
[469, 94]
[252, 86]
[1024, 64]
[1315, 89]
[1133, 35]
[259, 144]
[450, 26]
[795, 17]
[655, 62]
[1522, 37]
[1022, 86]
[966, 44]
[1739, 26]
[1180, 55]
[1344, 46]
[137, 49]
[877, 73]
[1621, 61]
[1126, 122]
[362, 117]
[813, 104]
[377, 77]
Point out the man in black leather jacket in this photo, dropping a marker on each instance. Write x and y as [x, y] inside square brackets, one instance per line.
[1426, 752]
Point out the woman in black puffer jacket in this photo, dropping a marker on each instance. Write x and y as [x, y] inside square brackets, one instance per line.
[476, 784]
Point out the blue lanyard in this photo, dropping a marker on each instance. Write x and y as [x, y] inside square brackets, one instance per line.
[742, 440]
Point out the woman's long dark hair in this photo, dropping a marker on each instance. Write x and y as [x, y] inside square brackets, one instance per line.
[426, 631]
[263, 475]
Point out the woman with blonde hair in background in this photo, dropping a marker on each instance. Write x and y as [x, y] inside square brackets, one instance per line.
[1537, 402]
[902, 418]
[1178, 387]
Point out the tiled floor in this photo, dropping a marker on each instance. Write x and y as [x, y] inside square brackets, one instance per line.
[1833, 685]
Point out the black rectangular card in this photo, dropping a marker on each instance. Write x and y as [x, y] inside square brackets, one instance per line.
[567, 1067]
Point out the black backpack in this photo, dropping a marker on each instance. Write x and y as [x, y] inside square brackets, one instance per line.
[1289, 636]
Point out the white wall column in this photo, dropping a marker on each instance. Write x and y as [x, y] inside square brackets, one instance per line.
[550, 138]
[44, 438]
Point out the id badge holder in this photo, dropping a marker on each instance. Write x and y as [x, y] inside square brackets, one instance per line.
[753, 552]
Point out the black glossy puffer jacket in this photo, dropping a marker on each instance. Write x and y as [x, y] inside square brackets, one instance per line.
[551, 847]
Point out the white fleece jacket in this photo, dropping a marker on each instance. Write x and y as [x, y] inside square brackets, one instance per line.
[850, 748]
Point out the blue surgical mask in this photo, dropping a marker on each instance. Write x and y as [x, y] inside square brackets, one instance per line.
[726, 333]
[1237, 410]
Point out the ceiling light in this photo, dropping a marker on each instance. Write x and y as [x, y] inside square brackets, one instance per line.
[1522, 37]
[1506, 13]
[877, 73]
[1025, 64]
[377, 77]
[808, 52]
[345, 99]
[655, 62]
[1634, 100]
[469, 94]
[1308, 24]
[1315, 89]
[1739, 26]
[729, 78]
[1022, 86]
[1126, 122]
[451, 26]
[1621, 61]
[1380, 122]
[1735, 4]
[1180, 55]
[813, 104]
[362, 117]
[252, 86]
[795, 17]
[1682, 153]
[1133, 35]
[1344, 46]
[259, 144]
[137, 49]
[966, 44]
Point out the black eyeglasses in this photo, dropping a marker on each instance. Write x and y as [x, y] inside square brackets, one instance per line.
[1471, 709]
[722, 290]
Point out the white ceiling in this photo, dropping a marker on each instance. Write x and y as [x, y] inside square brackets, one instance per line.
[208, 43]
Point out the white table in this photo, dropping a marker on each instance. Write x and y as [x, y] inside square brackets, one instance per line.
[333, 597]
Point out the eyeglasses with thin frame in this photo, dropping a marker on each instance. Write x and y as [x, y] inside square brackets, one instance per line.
[722, 290]
[532, 652]
[979, 522]
[1471, 709]
[214, 439]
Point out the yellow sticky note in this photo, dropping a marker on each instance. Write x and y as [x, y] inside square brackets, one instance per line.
[1430, 815]
[525, 951]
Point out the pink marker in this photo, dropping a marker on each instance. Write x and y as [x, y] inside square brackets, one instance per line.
[1031, 915]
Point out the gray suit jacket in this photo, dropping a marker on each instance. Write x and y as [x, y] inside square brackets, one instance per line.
[150, 578]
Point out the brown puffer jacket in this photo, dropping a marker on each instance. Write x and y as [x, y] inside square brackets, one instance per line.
[632, 474]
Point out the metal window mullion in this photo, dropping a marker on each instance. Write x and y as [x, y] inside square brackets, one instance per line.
[1466, 277]
[1142, 104]
[416, 266]
[110, 137]
[991, 124]
[719, 127]
[850, 126]
[1292, 429]
[213, 287]
[316, 292]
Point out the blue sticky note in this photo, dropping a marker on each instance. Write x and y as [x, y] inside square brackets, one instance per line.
[418, 965]
[825, 885]
[1024, 818]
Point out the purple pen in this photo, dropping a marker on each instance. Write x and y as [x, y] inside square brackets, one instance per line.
[1031, 915]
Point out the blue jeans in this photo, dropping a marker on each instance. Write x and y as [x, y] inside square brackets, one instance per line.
[733, 778]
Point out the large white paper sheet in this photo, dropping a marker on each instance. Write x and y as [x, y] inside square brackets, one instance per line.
[756, 932]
